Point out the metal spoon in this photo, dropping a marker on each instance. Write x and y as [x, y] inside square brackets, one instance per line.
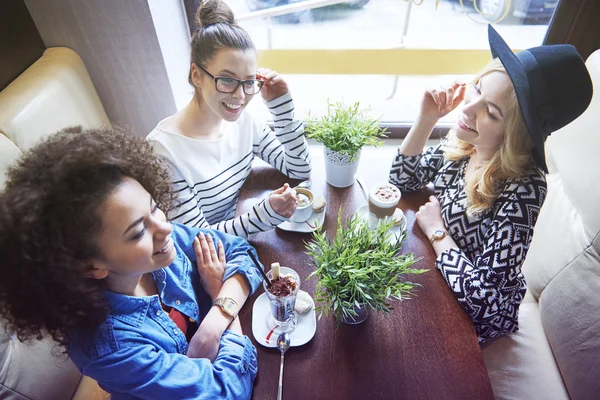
[283, 343]
[363, 187]
[303, 184]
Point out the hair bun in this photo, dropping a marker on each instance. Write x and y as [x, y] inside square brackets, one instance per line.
[213, 12]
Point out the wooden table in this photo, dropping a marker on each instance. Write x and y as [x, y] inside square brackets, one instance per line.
[426, 348]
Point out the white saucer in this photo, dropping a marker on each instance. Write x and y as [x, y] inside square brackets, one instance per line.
[305, 330]
[311, 225]
[396, 230]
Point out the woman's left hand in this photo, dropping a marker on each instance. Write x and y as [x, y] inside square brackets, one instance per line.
[429, 216]
[274, 86]
[211, 262]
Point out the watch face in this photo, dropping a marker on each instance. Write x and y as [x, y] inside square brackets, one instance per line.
[439, 233]
[230, 307]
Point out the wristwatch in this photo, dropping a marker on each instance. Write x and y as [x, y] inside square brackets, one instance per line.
[438, 234]
[228, 305]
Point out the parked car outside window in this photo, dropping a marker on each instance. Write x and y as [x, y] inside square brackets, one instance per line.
[294, 18]
[537, 11]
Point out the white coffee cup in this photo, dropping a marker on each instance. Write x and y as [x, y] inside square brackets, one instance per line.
[383, 200]
[304, 209]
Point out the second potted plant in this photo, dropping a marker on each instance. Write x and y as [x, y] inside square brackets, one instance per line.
[344, 131]
[359, 269]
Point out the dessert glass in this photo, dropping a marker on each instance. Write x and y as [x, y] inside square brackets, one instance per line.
[283, 318]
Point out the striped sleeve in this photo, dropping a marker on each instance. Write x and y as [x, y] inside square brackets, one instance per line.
[187, 211]
[286, 148]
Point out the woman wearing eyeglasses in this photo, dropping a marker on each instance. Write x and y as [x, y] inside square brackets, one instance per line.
[211, 143]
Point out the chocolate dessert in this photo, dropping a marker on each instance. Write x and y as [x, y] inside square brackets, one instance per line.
[284, 286]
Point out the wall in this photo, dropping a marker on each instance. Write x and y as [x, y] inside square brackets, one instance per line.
[173, 33]
[118, 44]
[20, 42]
[576, 22]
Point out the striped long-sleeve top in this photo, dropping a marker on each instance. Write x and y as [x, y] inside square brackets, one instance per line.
[207, 175]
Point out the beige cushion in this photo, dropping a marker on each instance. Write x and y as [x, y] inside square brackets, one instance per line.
[521, 365]
[30, 371]
[9, 152]
[558, 237]
[570, 311]
[54, 93]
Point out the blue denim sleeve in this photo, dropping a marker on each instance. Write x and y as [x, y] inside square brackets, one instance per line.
[236, 252]
[143, 372]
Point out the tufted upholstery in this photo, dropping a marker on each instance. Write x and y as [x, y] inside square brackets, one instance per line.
[54, 93]
[556, 353]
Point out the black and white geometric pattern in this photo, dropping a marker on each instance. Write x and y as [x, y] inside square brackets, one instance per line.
[485, 272]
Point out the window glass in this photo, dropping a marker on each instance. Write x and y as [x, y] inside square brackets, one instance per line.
[383, 53]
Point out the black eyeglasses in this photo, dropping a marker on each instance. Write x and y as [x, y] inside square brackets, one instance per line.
[230, 85]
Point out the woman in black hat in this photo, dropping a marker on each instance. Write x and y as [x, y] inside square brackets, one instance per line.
[489, 172]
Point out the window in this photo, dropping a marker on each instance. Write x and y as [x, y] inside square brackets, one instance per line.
[383, 53]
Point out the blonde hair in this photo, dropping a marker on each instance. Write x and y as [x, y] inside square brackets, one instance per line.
[512, 160]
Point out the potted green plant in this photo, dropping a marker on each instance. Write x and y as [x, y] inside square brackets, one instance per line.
[359, 269]
[344, 131]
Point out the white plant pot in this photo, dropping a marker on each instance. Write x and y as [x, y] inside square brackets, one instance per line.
[339, 170]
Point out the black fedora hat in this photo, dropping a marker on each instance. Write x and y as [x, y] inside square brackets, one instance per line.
[553, 87]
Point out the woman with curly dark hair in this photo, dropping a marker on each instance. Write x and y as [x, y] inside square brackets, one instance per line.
[89, 257]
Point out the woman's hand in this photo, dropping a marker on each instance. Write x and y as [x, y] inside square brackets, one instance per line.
[283, 201]
[211, 264]
[274, 86]
[439, 102]
[429, 216]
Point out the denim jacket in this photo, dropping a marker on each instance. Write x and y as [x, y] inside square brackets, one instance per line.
[138, 351]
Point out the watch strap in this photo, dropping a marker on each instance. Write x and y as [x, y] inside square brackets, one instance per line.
[219, 301]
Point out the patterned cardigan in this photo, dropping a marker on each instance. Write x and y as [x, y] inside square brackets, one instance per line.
[485, 271]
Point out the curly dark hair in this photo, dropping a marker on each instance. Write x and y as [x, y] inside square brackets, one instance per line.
[49, 224]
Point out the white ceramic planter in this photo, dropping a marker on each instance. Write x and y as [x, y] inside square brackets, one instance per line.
[339, 169]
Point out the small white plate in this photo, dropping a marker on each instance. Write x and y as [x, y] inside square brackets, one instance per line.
[396, 230]
[305, 330]
[310, 225]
